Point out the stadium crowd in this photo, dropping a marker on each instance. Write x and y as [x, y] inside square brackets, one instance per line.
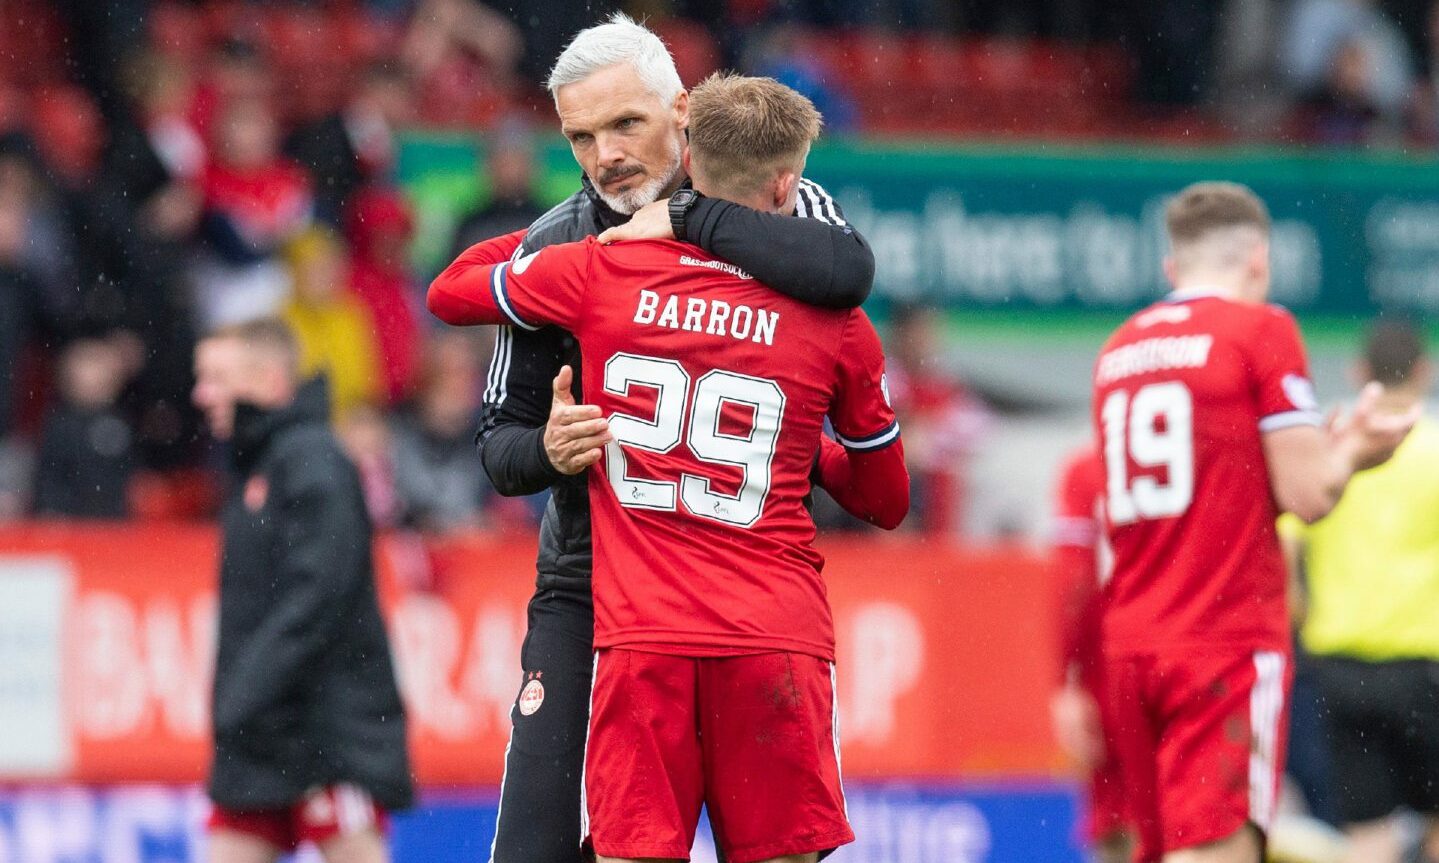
[165, 187]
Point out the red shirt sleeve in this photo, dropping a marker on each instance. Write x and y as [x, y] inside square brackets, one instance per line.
[1282, 390]
[868, 476]
[544, 287]
[1074, 542]
[861, 413]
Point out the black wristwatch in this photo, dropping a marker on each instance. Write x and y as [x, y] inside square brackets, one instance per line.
[681, 202]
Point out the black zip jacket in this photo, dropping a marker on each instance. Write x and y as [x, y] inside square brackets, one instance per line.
[818, 259]
[304, 691]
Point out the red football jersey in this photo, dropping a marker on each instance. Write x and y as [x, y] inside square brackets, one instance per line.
[1182, 393]
[716, 389]
[1079, 557]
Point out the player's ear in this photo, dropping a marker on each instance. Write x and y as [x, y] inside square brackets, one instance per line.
[682, 110]
[1171, 271]
[785, 187]
[685, 160]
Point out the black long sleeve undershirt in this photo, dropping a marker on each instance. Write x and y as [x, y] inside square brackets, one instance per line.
[830, 266]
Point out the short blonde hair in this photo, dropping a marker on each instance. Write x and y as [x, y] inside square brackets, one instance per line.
[742, 129]
[269, 336]
[1206, 207]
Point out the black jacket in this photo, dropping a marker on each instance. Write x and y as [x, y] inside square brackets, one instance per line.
[305, 692]
[819, 259]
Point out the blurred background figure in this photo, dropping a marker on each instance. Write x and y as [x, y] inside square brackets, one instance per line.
[308, 729]
[333, 327]
[355, 145]
[942, 420]
[509, 188]
[380, 228]
[1371, 572]
[1080, 562]
[438, 478]
[86, 455]
[255, 201]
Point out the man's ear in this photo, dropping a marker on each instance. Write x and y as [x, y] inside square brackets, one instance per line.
[1171, 271]
[785, 187]
[682, 110]
[685, 160]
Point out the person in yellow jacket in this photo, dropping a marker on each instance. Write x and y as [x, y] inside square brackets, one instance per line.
[334, 329]
[1371, 620]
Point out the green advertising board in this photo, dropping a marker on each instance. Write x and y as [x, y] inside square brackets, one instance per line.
[1066, 230]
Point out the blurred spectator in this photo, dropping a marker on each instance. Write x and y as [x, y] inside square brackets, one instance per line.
[86, 455]
[255, 201]
[366, 438]
[28, 312]
[509, 181]
[380, 227]
[942, 421]
[355, 144]
[437, 469]
[42, 241]
[150, 206]
[1319, 32]
[1372, 571]
[1425, 119]
[1343, 113]
[332, 326]
[439, 29]
[780, 55]
[234, 70]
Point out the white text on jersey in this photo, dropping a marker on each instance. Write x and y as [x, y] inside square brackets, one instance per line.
[1153, 355]
[712, 317]
[716, 265]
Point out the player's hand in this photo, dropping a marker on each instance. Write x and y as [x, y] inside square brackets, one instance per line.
[1371, 433]
[1075, 718]
[575, 435]
[650, 222]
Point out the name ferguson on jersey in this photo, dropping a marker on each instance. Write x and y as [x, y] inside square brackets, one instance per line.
[712, 317]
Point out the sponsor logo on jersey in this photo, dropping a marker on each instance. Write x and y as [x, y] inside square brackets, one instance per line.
[1175, 314]
[722, 266]
[531, 697]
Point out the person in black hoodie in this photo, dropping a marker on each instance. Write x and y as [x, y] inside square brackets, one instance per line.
[309, 731]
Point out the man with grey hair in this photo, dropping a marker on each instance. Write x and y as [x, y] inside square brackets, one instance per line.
[624, 111]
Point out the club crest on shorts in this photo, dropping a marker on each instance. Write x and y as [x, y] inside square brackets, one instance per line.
[531, 697]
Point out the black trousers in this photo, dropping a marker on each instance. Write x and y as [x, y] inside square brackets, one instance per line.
[539, 818]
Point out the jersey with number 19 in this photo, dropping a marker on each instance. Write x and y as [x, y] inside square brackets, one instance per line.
[1183, 392]
[716, 389]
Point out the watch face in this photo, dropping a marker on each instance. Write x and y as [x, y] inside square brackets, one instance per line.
[683, 197]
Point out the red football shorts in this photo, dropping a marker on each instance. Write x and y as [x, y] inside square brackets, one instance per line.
[1199, 741]
[324, 814]
[1107, 815]
[753, 737]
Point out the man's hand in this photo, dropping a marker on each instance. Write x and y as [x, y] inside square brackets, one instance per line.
[1075, 717]
[650, 222]
[575, 435]
[1370, 434]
